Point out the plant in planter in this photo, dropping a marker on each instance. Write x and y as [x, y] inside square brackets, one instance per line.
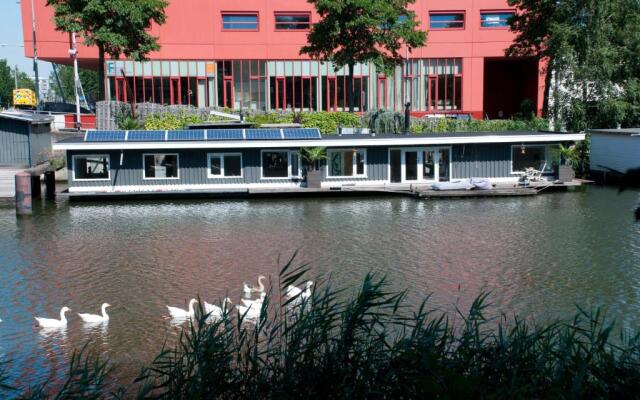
[313, 157]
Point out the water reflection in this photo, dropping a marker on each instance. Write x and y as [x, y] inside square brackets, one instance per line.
[538, 256]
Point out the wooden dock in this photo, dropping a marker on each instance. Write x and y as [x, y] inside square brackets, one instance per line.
[8, 182]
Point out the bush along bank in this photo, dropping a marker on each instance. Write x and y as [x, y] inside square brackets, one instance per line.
[372, 345]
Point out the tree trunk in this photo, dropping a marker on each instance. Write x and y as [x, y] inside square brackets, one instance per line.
[101, 82]
[350, 88]
[547, 89]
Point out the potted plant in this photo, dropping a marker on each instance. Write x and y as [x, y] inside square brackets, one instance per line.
[313, 157]
[566, 169]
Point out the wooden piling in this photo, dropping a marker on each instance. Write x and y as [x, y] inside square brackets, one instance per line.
[50, 184]
[24, 203]
[36, 186]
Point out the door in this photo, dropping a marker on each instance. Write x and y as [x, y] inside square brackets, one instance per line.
[382, 93]
[395, 165]
[227, 93]
[281, 94]
[443, 165]
[332, 94]
[429, 165]
[148, 90]
[202, 93]
[121, 89]
[410, 165]
[175, 91]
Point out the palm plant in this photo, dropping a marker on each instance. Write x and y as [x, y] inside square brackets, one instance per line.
[313, 156]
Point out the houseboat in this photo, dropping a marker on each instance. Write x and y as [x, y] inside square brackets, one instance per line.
[249, 161]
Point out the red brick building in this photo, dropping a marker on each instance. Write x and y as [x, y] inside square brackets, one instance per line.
[245, 54]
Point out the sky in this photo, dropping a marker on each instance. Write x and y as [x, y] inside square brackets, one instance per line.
[11, 35]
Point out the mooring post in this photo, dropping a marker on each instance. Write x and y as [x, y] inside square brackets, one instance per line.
[36, 186]
[23, 194]
[50, 184]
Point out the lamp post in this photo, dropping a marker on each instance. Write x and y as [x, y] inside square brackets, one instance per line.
[73, 52]
[407, 105]
[35, 55]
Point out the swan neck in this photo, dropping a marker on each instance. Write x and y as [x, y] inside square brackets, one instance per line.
[191, 303]
[260, 285]
[104, 312]
[62, 317]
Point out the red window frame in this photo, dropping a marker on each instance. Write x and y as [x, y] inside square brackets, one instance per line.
[461, 28]
[382, 98]
[505, 11]
[225, 13]
[292, 13]
[434, 87]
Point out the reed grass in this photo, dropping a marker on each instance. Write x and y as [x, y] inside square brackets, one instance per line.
[372, 345]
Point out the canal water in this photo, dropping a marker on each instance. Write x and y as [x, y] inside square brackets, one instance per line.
[538, 256]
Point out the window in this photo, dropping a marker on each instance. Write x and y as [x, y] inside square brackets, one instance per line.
[349, 162]
[240, 22]
[280, 164]
[528, 156]
[225, 165]
[91, 167]
[446, 20]
[293, 21]
[495, 19]
[160, 166]
[443, 84]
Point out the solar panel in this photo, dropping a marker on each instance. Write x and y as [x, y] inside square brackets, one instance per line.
[302, 133]
[224, 134]
[193, 135]
[263, 134]
[146, 136]
[105, 136]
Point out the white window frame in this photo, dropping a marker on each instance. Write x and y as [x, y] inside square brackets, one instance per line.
[144, 169]
[354, 166]
[420, 163]
[289, 157]
[222, 175]
[548, 168]
[73, 172]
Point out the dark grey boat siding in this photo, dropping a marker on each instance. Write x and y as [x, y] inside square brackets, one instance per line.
[491, 160]
[14, 142]
[470, 160]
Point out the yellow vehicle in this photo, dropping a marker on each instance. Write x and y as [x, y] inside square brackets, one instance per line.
[24, 97]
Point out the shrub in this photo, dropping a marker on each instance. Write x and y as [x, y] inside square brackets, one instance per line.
[439, 125]
[170, 121]
[259, 119]
[329, 122]
[384, 122]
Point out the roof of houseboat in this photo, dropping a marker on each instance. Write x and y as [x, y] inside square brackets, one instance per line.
[290, 137]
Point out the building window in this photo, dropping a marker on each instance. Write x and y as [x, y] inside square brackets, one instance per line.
[160, 166]
[453, 20]
[91, 167]
[225, 165]
[293, 21]
[240, 22]
[280, 164]
[529, 156]
[495, 19]
[443, 84]
[349, 162]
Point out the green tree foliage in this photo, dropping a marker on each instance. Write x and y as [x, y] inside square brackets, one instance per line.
[7, 83]
[360, 31]
[592, 47]
[89, 79]
[116, 27]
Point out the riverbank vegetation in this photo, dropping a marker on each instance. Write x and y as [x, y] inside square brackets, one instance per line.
[371, 344]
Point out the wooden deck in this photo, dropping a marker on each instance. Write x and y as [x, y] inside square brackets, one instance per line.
[8, 182]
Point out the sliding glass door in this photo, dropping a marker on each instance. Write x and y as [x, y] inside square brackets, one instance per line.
[415, 165]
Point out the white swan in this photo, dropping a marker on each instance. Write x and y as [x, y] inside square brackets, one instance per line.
[93, 318]
[248, 289]
[293, 291]
[215, 312]
[54, 323]
[251, 312]
[179, 313]
[259, 301]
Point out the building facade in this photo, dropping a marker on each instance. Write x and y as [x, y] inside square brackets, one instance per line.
[246, 55]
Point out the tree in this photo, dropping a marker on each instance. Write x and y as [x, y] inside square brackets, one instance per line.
[360, 31]
[88, 78]
[591, 47]
[7, 83]
[116, 27]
